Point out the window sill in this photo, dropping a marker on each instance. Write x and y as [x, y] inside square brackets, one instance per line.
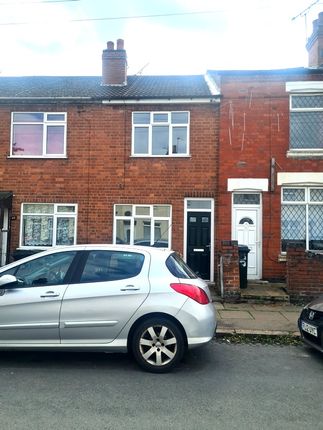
[41, 157]
[160, 156]
[315, 153]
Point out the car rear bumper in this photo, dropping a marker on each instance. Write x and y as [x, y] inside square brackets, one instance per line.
[199, 322]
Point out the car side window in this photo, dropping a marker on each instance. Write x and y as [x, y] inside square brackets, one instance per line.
[102, 266]
[179, 268]
[47, 270]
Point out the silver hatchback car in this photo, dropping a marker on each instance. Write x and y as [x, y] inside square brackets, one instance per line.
[111, 298]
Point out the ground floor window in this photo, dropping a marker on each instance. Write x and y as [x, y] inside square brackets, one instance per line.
[142, 225]
[302, 217]
[48, 224]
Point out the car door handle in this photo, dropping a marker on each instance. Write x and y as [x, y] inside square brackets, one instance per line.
[49, 294]
[130, 288]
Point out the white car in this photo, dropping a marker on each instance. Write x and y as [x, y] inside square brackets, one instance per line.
[106, 298]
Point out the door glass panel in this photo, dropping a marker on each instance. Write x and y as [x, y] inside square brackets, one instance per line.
[199, 204]
[246, 199]
[246, 220]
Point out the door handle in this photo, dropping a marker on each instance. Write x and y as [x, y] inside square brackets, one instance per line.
[49, 294]
[129, 288]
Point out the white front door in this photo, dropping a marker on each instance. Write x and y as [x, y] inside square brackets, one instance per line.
[246, 230]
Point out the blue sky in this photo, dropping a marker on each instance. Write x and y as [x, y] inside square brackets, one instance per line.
[42, 37]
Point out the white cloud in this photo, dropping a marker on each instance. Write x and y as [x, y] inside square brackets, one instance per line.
[250, 34]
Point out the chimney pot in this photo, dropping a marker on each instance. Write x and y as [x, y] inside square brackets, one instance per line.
[120, 44]
[114, 64]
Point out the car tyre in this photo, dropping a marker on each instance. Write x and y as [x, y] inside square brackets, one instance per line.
[158, 345]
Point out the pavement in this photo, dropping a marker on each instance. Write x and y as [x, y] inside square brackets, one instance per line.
[261, 319]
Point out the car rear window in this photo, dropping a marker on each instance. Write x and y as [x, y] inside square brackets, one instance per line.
[104, 266]
[179, 268]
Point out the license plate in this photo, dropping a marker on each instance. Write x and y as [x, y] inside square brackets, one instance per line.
[311, 329]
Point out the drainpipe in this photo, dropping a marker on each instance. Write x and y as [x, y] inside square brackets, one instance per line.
[221, 276]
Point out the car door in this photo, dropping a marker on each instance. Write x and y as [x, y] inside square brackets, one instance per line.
[30, 307]
[111, 288]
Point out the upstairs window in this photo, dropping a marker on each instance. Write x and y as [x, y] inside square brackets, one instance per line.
[160, 134]
[306, 119]
[38, 134]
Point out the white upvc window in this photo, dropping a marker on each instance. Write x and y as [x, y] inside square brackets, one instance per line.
[47, 224]
[147, 225]
[306, 118]
[38, 134]
[302, 217]
[160, 134]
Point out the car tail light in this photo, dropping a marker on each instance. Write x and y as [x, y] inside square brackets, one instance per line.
[192, 291]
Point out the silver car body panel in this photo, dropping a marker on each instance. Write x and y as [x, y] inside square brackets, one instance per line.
[100, 315]
[31, 314]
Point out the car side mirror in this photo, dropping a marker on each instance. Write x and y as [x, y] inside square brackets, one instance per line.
[7, 280]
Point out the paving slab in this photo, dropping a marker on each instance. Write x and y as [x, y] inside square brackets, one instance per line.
[291, 316]
[238, 306]
[240, 315]
[270, 316]
[271, 319]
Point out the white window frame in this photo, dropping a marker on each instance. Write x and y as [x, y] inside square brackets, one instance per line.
[45, 123]
[133, 217]
[306, 202]
[56, 214]
[304, 151]
[153, 123]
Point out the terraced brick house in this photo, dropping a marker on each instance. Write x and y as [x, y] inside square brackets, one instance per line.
[109, 158]
[270, 189]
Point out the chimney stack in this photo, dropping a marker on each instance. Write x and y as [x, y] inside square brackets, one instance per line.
[114, 64]
[314, 44]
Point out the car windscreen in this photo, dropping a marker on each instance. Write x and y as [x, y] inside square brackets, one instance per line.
[179, 268]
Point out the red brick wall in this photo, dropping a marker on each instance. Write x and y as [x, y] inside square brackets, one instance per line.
[99, 170]
[304, 273]
[254, 128]
[228, 274]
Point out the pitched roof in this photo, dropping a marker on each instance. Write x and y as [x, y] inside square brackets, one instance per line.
[89, 87]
